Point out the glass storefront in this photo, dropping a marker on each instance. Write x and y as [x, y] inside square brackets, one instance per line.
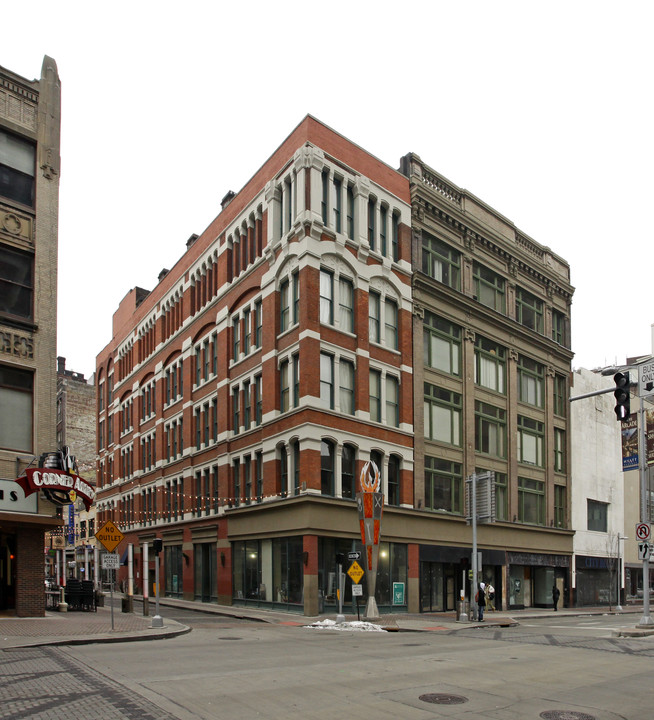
[205, 575]
[392, 575]
[268, 572]
[595, 579]
[173, 575]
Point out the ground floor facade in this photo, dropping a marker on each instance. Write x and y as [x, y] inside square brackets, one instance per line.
[284, 556]
[22, 570]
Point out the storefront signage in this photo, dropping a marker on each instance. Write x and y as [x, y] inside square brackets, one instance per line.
[13, 499]
[61, 487]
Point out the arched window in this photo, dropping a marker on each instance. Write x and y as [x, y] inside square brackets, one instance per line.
[348, 479]
[327, 467]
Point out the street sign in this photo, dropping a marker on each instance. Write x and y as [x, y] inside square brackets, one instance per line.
[643, 531]
[355, 555]
[110, 561]
[646, 379]
[355, 572]
[644, 550]
[110, 536]
[357, 590]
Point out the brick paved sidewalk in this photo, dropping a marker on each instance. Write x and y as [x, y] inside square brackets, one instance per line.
[74, 627]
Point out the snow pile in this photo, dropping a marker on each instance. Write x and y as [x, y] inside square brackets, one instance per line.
[356, 625]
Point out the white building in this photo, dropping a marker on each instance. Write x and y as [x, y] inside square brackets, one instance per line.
[598, 500]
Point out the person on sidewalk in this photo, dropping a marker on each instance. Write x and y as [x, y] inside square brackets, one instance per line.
[556, 594]
[480, 597]
[490, 597]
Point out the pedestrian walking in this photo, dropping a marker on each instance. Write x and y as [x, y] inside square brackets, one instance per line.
[490, 597]
[556, 594]
[480, 597]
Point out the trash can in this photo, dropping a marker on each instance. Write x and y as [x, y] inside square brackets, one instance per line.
[462, 608]
[126, 604]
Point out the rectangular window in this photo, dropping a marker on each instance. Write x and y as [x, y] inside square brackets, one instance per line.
[560, 506]
[324, 203]
[350, 212]
[247, 480]
[296, 380]
[17, 163]
[559, 450]
[531, 501]
[558, 327]
[441, 344]
[284, 388]
[247, 331]
[501, 496]
[247, 405]
[442, 415]
[375, 395]
[390, 324]
[346, 305]
[326, 297]
[560, 396]
[392, 401]
[441, 262]
[489, 288]
[16, 418]
[346, 389]
[258, 323]
[236, 338]
[338, 187]
[395, 236]
[259, 472]
[296, 298]
[528, 310]
[284, 307]
[597, 515]
[443, 483]
[531, 438]
[371, 223]
[383, 215]
[16, 284]
[490, 365]
[490, 430]
[236, 410]
[236, 482]
[258, 412]
[374, 317]
[531, 381]
[327, 380]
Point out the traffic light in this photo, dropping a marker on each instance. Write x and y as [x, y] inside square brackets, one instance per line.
[622, 396]
[157, 545]
[340, 558]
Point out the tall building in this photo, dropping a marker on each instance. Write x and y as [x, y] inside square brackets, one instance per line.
[491, 369]
[337, 312]
[29, 207]
[240, 398]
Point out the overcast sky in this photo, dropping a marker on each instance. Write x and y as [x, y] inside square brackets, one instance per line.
[542, 110]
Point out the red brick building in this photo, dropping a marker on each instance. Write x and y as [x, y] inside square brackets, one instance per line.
[239, 399]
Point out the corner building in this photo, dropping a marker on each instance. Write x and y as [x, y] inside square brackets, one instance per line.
[239, 400]
[492, 359]
[30, 116]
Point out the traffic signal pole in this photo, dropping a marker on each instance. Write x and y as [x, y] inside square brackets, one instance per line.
[642, 450]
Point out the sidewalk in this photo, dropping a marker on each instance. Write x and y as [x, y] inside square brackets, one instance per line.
[95, 627]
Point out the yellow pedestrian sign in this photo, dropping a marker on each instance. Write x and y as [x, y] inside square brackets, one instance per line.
[355, 572]
[110, 536]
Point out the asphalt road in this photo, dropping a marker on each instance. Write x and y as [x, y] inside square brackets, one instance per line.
[556, 668]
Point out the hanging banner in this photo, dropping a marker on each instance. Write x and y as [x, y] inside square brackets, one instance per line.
[629, 431]
[649, 424]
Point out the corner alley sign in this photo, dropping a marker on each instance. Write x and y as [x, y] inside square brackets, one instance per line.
[49, 479]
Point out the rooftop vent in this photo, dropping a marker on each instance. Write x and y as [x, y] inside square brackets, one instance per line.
[163, 274]
[191, 240]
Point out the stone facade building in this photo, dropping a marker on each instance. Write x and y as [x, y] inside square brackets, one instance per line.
[338, 311]
[29, 207]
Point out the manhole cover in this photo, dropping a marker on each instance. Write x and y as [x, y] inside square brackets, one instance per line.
[566, 715]
[443, 699]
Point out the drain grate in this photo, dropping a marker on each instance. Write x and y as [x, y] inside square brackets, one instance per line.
[565, 715]
[443, 699]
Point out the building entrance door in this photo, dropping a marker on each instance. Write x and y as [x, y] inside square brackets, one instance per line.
[7, 572]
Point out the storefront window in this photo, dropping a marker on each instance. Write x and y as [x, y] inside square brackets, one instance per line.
[173, 564]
